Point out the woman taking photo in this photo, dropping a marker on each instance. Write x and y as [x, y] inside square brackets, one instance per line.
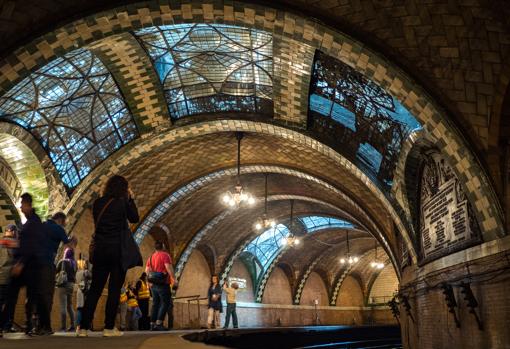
[214, 306]
[111, 214]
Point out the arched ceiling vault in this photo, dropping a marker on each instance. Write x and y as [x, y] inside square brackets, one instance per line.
[155, 168]
[219, 228]
[296, 34]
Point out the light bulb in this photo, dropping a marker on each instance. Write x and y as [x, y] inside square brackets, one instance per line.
[283, 241]
[350, 260]
[226, 198]
[251, 200]
[232, 203]
[258, 226]
[296, 241]
[273, 224]
[356, 259]
[244, 196]
[373, 264]
[380, 266]
[342, 260]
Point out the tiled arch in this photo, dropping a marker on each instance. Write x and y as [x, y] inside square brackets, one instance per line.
[288, 25]
[223, 215]
[92, 184]
[32, 167]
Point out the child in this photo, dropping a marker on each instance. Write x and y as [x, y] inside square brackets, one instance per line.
[133, 309]
[83, 281]
[231, 303]
[123, 307]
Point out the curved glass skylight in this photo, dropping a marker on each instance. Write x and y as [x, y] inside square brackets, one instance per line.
[267, 245]
[208, 68]
[74, 108]
[314, 223]
[353, 111]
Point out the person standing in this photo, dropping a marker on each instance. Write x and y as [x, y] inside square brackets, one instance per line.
[8, 246]
[83, 280]
[32, 268]
[214, 306]
[123, 307]
[160, 271]
[231, 303]
[56, 234]
[65, 280]
[134, 312]
[111, 214]
[143, 296]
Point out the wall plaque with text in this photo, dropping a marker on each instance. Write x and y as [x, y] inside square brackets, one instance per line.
[447, 223]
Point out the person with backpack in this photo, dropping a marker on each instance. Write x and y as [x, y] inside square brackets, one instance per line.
[83, 281]
[64, 280]
[160, 271]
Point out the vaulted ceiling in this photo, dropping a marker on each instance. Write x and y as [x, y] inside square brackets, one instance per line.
[443, 62]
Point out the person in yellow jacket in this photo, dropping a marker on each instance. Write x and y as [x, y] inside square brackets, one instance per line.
[143, 296]
[133, 309]
[123, 307]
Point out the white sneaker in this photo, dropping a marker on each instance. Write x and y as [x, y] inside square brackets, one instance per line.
[112, 333]
[82, 333]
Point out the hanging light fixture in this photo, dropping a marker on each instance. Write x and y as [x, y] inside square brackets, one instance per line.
[291, 239]
[349, 259]
[264, 222]
[375, 263]
[238, 196]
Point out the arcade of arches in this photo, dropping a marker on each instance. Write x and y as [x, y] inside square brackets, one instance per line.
[383, 124]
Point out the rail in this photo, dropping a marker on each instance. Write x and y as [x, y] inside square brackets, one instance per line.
[189, 300]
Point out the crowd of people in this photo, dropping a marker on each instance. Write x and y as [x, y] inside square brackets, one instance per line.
[28, 255]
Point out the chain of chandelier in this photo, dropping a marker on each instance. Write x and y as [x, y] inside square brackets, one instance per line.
[239, 196]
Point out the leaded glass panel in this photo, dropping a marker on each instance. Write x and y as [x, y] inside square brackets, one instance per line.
[74, 108]
[267, 245]
[314, 223]
[358, 117]
[208, 68]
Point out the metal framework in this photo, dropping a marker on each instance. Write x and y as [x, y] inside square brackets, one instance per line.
[76, 111]
[352, 111]
[209, 68]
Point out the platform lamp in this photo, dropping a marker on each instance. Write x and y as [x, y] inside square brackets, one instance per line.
[264, 222]
[238, 196]
[291, 239]
[349, 259]
[375, 263]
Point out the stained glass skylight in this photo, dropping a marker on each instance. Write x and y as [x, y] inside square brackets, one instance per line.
[367, 124]
[74, 108]
[314, 223]
[267, 245]
[208, 68]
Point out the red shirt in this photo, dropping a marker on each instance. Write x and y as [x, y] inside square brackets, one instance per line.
[157, 262]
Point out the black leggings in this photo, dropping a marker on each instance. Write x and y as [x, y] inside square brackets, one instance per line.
[107, 262]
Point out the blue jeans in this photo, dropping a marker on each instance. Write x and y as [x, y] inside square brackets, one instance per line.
[161, 301]
[231, 311]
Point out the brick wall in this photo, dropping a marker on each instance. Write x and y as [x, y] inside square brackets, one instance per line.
[432, 326]
[385, 285]
[314, 289]
[350, 293]
[277, 289]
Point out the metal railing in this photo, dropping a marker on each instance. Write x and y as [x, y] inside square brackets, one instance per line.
[195, 323]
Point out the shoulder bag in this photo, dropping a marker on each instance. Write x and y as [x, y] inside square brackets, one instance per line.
[129, 249]
[156, 277]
